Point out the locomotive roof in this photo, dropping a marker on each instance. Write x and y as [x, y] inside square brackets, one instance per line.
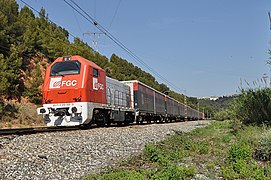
[80, 59]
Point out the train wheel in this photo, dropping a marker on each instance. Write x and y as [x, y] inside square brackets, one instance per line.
[139, 119]
[119, 123]
[101, 120]
[108, 123]
[100, 124]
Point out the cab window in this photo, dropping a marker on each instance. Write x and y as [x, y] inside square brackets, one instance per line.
[65, 68]
[95, 72]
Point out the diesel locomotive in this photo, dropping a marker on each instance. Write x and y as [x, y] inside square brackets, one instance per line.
[76, 92]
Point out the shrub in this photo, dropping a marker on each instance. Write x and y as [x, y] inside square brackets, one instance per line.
[263, 149]
[172, 171]
[152, 152]
[239, 152]
[240, 165]
[222, 115]
[20, 114]
[253, 106]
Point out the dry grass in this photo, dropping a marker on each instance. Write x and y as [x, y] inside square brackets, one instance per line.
[23, 115]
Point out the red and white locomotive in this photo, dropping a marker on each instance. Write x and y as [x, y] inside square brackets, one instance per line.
[77, 92]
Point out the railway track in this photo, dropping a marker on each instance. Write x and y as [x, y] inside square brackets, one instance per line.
[45, 129]
[42, 129]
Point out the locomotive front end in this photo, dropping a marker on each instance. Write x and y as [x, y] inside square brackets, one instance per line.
[63, 100]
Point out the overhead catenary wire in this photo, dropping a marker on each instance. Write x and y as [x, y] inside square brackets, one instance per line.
[110, 36]
[77, 21]
[50, 35]
[114, 16]
[43, 16]
[90, 19]
[269, 20]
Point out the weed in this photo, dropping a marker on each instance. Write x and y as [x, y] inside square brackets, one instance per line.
[239, 152]
[210, 165]
[172, 171]
[125, 175]
[21, 115]
[239, 164]
[152, 152]
[214, 151]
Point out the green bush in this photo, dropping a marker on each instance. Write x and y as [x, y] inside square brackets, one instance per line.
[240, 165]
[222, 115]
[152, 152]
[239, 152]
[253, 106]
[172, 171]
[263, 149]
[244, 170]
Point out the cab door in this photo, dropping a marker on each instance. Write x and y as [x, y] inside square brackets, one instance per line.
[97, 86]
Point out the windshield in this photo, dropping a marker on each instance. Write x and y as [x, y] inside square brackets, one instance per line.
[65, 68]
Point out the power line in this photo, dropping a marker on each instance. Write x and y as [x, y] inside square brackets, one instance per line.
[77, 21]
[50, 35]
[118, 5]
[269, 19]
[43, 15]
[116, 41]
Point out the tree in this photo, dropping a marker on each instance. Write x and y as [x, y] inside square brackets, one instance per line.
[9, 28]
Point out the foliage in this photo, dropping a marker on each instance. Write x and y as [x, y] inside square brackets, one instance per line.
[152, 152]
[253, 106]
[239, 164]
[214, 107]
[125, 175]
[239, 152]
[15, 113]
[172, 171]
[222, 115]
[263, 148]
[33, 91]
[215, 151]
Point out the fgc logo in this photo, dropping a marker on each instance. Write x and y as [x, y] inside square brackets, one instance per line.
[57, 83]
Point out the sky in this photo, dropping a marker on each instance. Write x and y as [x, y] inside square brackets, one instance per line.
[205, 48]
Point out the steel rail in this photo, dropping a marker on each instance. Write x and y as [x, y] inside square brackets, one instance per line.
[33, 130]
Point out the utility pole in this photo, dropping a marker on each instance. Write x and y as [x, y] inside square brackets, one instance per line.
[95, 36]
[198, 110]
[185, 106]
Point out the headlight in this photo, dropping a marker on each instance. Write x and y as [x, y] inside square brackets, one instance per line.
[74, 109]
[42, 110]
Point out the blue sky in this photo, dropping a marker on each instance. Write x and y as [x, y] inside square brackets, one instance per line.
[202, 47]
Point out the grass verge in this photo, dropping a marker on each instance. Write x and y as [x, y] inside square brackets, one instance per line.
[212, 152]
[21, 115]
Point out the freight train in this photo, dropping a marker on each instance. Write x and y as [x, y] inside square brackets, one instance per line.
[77, 92]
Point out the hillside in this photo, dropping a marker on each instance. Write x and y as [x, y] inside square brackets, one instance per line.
[212, 106]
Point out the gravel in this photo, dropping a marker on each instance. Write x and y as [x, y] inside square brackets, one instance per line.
[74, 154]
